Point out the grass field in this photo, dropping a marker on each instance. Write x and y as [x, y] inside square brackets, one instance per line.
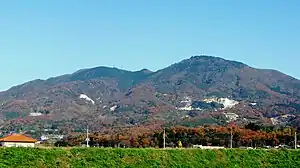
[95, 157]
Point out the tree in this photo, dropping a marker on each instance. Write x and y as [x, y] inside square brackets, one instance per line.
[62, 144]
[253, 126]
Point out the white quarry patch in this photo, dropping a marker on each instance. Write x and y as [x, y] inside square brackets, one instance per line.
[274, 121]
[281, 119]
[287, 115]
[113, 108]
[83, 96]
[188, 104]
[35, 114]
[187, 100]
[185, 117]
[231, 116]
[186, 108]
[228, 103]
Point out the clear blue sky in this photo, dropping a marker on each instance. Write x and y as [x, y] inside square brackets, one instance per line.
[40, 39]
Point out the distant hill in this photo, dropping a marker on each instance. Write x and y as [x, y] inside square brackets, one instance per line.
[196, 91]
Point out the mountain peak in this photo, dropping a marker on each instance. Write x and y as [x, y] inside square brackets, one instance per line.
[146, 71]
[204, 57]
[216, 60]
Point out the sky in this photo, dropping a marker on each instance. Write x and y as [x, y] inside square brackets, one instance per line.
[42, 39]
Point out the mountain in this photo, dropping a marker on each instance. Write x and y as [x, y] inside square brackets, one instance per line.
[196, 91]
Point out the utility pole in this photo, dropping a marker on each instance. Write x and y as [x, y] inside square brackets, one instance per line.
[231, 137]
[164, 136]
[295, 139]
[87, 136]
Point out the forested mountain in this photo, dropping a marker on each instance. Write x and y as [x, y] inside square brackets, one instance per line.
[196, 91]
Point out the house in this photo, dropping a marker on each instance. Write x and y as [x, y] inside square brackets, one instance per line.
[17, 140]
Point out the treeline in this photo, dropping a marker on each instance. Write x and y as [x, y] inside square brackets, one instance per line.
[250, 136]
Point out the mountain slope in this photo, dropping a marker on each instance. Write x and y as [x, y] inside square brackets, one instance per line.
[219, 77]
[199, 90]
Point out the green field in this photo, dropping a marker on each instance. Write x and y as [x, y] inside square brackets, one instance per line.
[95, 157]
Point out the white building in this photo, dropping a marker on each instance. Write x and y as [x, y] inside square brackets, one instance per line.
[17, 140]
[231, 116]
[208, 147]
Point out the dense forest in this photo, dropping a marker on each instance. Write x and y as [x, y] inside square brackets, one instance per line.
[251, 135]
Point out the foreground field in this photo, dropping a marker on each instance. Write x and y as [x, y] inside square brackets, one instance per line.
[95, 157]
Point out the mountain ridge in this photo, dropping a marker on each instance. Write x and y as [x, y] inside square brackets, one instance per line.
[145, 69]
[201, 89]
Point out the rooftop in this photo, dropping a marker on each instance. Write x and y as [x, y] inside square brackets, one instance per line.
[17, 138]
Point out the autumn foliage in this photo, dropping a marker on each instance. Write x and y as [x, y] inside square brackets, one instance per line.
[210, 135]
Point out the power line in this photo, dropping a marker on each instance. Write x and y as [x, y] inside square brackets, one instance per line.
[231, 137]
[87, 136]
[295, 139]
[164, 136]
